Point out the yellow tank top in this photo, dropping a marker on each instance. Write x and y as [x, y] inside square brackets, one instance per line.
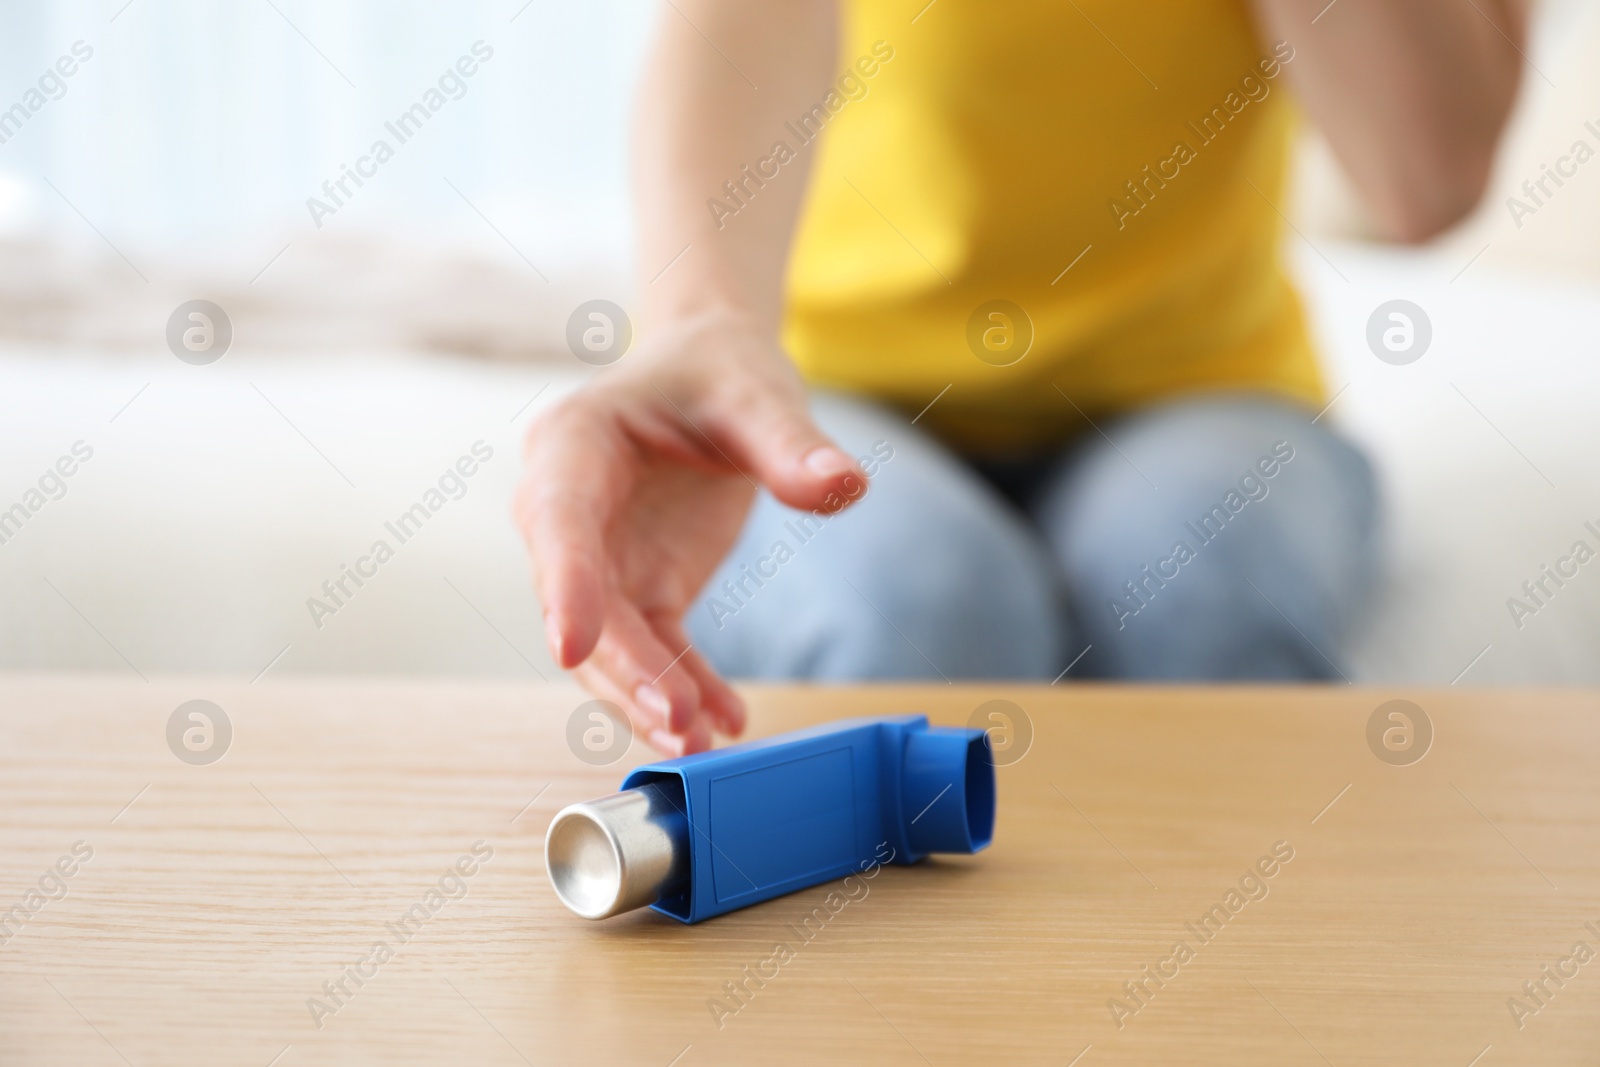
[1050, 206]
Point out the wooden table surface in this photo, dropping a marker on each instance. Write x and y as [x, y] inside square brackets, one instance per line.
[219, 899]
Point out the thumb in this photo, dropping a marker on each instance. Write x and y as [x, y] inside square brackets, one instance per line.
[775, 439]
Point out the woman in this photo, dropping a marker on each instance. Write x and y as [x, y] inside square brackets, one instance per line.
[1024, 259]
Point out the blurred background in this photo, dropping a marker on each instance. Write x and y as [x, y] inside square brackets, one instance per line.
[375, 345]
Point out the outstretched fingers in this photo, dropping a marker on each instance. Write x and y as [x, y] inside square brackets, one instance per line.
[718, 702]
[659, 692]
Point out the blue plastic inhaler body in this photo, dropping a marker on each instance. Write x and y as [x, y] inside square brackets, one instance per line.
[757, 820]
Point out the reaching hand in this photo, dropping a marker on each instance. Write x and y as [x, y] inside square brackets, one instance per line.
[634, 489]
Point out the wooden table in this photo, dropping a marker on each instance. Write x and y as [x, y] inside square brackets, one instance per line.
[220, 898]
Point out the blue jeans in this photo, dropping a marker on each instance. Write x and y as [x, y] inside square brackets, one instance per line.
[1221, 536]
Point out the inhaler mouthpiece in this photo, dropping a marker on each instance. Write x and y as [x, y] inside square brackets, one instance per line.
[615, 854]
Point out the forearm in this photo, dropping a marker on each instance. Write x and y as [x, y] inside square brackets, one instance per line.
[1411, 95]
[702, 122]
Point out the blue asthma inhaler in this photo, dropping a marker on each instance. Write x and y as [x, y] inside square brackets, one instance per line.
[706, 834]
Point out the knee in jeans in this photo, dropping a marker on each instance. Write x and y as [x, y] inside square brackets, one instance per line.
[1213, 620]
[977, 612]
